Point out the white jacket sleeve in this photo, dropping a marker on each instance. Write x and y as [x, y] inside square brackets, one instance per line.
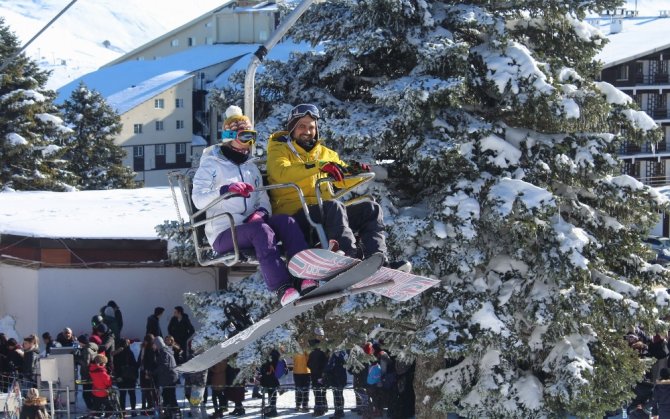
[206, 183]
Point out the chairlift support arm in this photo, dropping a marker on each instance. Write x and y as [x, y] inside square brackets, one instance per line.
[259, 55]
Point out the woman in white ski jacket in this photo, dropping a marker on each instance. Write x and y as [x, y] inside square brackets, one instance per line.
[226, 168]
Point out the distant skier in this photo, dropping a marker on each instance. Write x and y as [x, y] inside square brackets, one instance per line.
[227, 168]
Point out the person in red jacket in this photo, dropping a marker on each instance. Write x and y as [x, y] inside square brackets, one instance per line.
[101, 383]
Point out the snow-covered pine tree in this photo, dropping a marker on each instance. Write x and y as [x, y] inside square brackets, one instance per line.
[91, 152]
[505, 184]
[31, 131]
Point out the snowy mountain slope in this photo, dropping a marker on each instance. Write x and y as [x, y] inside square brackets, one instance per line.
[92, 33]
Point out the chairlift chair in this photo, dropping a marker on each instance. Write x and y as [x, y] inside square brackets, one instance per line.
[182, 182]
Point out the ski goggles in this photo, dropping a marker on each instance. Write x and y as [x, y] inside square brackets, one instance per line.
[245, 136]
[304, 109]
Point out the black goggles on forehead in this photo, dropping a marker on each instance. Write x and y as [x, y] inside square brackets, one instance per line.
[304, 109]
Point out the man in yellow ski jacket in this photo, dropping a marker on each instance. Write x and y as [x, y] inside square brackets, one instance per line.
[299, 156]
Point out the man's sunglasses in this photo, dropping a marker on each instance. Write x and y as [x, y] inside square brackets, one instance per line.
[245, 136]
[304, 109]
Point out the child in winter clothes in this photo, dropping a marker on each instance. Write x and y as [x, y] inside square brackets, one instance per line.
[34, 406]
[228, 168]
[101, 383]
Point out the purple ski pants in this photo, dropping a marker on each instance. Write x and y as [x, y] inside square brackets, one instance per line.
[263, 238]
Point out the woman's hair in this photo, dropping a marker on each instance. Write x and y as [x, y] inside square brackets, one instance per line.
[149, 339]
[100, 359]
[32, 339]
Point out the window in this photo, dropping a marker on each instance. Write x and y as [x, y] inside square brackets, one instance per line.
[191, 41]
[159, 125]
[623, 73]
[175, 43]
[137, 128]
[179, 103]
[159, 103]
[159, 151]
[180, 124]
[138, 158]
[180, 155]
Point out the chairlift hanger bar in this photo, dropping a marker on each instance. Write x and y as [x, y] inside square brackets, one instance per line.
[263, 50]
[23, 48]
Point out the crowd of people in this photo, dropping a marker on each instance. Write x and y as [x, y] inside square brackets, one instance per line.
[104, 353]
[383, 385]
[652, 395]
[102, 361]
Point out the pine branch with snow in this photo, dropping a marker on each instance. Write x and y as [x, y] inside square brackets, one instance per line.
[503, 182]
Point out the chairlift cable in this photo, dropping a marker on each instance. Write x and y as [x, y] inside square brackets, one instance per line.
[23, 48]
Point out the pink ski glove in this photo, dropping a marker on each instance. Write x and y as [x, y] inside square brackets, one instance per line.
[240, 188]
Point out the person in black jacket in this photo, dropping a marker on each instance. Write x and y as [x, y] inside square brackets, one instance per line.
[316, 362]
[66, 338]
[335, 376]
[48, 342]
[181, 329]
[13, 362]
[83, 358]
[234, 393]
[126, 372]
[108, 343]
[4, 363]
[31, 357]
[153, 323]
[147, 361]
[165, 375]
[270, 383]
[112, 317]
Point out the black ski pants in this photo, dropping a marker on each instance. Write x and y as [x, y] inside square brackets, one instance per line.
[343, 223]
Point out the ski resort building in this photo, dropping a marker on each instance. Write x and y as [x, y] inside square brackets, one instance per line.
[160, 88]
[636, 62]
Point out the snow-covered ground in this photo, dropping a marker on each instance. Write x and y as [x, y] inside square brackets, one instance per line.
[252, 406]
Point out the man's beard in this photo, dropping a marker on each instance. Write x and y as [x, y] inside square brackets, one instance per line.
[305, 143]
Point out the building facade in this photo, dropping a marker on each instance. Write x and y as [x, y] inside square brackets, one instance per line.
[635, 60]
[646, 80]
[160, 88]
[235, 22]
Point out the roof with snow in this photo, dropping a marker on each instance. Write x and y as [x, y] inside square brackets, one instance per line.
[106, 214]
[264, 6]
[639, 36]
[128, 84]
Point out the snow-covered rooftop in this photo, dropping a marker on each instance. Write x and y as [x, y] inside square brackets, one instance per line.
[120, 213]
[131, 83]
[639, 36]
[127, 84]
